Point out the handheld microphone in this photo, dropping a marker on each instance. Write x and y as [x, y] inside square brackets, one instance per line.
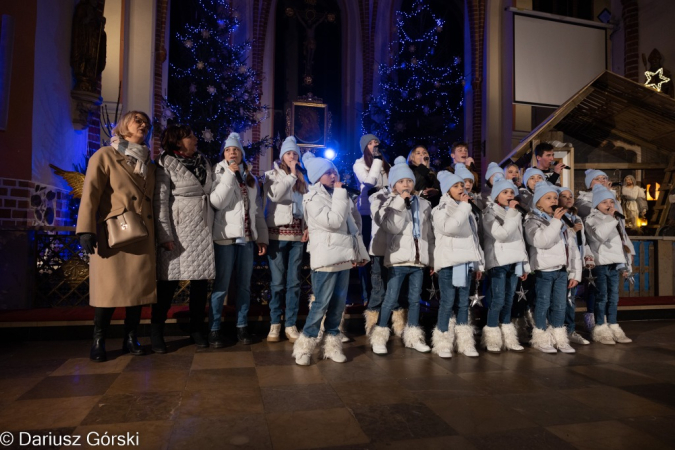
[474, 208]
[553, 163]
[564, 218]
[618, 215]
[426, 159]
[407, 200]
[237, 173]
[301, 169]
[352, 191]
[521, 210]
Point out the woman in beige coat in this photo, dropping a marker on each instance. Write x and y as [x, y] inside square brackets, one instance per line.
[120, 178]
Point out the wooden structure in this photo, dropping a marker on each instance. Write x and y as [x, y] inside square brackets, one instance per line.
[613, 107]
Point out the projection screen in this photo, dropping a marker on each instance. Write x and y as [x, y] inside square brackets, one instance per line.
[553, 59]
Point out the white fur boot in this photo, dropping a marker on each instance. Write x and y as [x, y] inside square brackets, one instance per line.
[561, 339]
[542, 341]
[510, 338]
[491, 339]
[413, 337]
[378, 339]
[399, 318]
[442, 342]
[332, 348]
[603, 335]
[303, 348]
[371, 320]
[466, 344]
[618, 334]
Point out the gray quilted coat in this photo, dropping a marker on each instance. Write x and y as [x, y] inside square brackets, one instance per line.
[183, 215]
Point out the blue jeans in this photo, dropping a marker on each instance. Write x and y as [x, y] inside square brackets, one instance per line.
[330, 293]
[503, 281]
[607, 293]
[283, 255]
[364, 276]
[396, 276]
[378, 276]
[451, 297]
[229, 257]
[551, 291]
[570, 310]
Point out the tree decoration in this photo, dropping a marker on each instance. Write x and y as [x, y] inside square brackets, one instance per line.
[210, 86]
[420, 97]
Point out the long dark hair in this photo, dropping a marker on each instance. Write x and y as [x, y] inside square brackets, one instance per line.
[368, 159]
[300, 185]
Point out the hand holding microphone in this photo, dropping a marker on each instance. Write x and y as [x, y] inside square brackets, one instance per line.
[514, 204]
[406, 197]
[234, 167]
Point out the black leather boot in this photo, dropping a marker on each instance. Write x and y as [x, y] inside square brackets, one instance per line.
[199, 340]
[215, 339]
[157, 338]
[130, 343]
[102, 317]
[243, 336]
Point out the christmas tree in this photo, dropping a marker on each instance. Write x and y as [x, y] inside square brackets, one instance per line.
[210, 86]
[420, 98]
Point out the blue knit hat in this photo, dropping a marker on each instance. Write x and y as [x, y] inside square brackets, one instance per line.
[365, 139]
[399, 171]
[289, 145]
[563, 189]
[601, 193]
[462, 171]
[540, 189]
[448, 180]
[316, 166]
[234, 140]
[502, 184]
[591, 174]
[492, 169]
[530, 172]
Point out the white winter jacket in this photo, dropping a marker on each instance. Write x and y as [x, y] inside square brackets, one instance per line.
[228, 201]
[330, 241]
[368, 179]
[278, 195]
[605, 241]
[545, 243]
[503, 238]
[397, 222]
[584, 203]
[455, 240]
[378, 237]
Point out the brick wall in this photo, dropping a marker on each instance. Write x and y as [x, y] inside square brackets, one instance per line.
[18, 210]
[631, 56]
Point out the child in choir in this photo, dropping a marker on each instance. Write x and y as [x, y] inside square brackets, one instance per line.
[505, 261]
[492, 171]
[457, 255]
[531, 177]
[406, 218]
[548, 259]
[613, 253]
[577, 256]
[512, 173]
[335, 246]
[469, 183]
[284, 188]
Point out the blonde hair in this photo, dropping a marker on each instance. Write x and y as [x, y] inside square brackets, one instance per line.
[122, 127]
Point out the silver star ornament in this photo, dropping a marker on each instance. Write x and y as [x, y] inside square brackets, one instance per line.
[476, 298]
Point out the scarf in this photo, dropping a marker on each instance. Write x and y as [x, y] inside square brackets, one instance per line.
[139, 154]
[415, 208]
[196, 164]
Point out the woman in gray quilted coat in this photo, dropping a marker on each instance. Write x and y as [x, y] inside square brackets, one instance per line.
[184, 219]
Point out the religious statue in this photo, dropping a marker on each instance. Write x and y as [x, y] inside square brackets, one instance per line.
[635, 201]
[88, 45]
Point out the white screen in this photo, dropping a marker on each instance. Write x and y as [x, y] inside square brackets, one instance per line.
[553, 60]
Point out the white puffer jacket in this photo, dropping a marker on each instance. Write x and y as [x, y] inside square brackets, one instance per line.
[456, 242]
[378, 237]
[503, 238]
[228, 201]
[397, 222]
[575, 257]
[368, 179]
[278, 195]
[605, 241]
[545, 243]
[330, 241]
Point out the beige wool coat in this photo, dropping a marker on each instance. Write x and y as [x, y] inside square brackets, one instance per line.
[124, 276]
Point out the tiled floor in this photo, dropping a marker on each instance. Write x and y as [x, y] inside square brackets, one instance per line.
[256, 397]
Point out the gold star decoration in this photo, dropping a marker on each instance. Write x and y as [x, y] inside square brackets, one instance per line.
[656, 79]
